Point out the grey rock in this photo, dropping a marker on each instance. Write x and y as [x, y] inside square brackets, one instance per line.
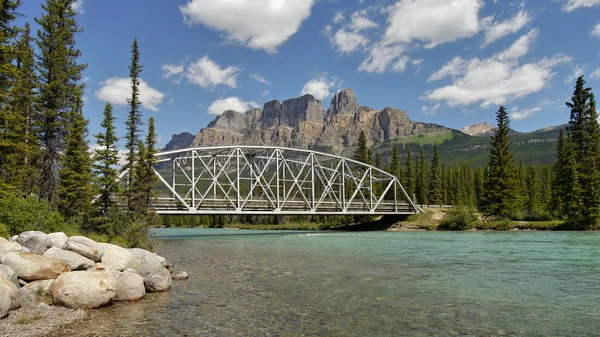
[8, 287]
[150, 262]
[13, 238]
[158, 282]
[11, 247]
[130, 287]
[118, 258]
[22, 283]
[179, 141]
[5, 304]
[3, 240]
[344, 102]
[58, 239]
[87, 290]
[36, 292]
[76, 261]
[9, 274]
[33, 267]
[37, 242]
[179, 275]
[85, 247]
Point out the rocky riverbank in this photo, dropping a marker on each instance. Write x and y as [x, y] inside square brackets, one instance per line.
[48, 280]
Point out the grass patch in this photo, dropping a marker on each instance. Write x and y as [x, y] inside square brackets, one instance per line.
[428, 139]
[27, 319]
[424, 221]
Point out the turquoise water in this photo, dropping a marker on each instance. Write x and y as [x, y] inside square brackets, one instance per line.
[245, 283]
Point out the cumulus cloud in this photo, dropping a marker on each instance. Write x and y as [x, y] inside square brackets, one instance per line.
[359, 21]
[230, 103]
[518, 114]
[578, 70]
[596, 31]
[432, 21]
[171, 70]
[260, 79]
[348, 41]
[595, 73]
[572, 5]
[495, 80]
[338, 17]
[350, 38]
[498, 30]
[382, 56]
[77, 6]
[116, 90]
[431, 111]
[320, 87]
[259, 24]
[208, 74]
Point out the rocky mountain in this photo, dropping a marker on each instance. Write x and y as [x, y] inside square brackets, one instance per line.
[304, 123]
[479, 129]
[179, 141]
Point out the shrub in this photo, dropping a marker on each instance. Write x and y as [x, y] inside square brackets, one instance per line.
[458, 219]
[29, 214]
[4, 233]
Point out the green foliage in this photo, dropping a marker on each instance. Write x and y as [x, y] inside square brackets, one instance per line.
[460, 218]
[4, 232]
[409, 177]
[435, 181]
[20, 214]
[421, 179]
[362, 150]
[395, 167]
[134, 121]
[144, 182]
[106, 157]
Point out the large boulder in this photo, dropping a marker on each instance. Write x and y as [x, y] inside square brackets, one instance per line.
[118, 258]
[86, 290]
[58, 239]
[11, 247]
[84, 247]
[3, 240]
[32, 267]
[8, 287]
[36, 292]
[150, 262]
[5, 304]
[36, 242]
[76, 261]
[130, 286]
[9, 274]
[158, 282]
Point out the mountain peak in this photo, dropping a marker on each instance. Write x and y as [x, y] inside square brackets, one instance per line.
[344, 102]
[479, 129]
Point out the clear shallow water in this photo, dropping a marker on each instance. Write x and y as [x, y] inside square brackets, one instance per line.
[246, 283]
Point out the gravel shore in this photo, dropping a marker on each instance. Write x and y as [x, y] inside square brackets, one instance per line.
[38, 321]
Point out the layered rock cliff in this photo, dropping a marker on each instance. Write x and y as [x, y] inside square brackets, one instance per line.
[304, 123]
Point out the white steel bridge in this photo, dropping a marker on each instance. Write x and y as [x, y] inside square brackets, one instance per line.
[267, 180]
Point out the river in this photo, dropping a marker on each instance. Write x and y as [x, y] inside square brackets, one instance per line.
[245, 283]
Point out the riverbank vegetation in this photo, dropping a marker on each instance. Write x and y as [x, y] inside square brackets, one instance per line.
[48, 179]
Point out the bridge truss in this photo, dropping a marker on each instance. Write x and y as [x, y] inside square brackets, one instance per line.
[273, 180]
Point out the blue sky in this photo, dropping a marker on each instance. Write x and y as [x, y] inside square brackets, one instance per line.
[450, 62]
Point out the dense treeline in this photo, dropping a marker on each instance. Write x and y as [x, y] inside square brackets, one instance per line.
[48, 179]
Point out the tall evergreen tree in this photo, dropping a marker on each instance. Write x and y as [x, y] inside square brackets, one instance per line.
[501, 186]
[145, 180]
[435, 182]
[532, 200]
[134, 121]
[60, 90]
[559, 176]
[573, 204]
[20, 146]
[421, 181]
[106, 157]
[362, 150]
[75, 189]
[395, 167]
[409, 178]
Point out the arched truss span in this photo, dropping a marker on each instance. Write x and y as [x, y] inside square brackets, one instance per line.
[273, 180]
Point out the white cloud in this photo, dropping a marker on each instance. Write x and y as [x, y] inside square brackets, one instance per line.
[348, 41]
[496, 31]
[431, 112]
[320, 87]
[259, 78]
[231, 103]
[595, 73]
[259, 24]
[578, 70]
[596, 31]
[77, 6]
[518, 114]
[339, 17]
[572, 5]
[361, 22]
[382, 56]
[208, 74]
[116, 90]
[432, 21]
[171, 70]
[495, 80]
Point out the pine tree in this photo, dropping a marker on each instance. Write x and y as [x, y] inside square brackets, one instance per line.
[134, 122]
[144, 178]
[532, 200]
[409, 179]
[75, 189]
[573, 200]
[501, 186]
[421, 183]
[7, 75]
[362, 150]
[60, 92]
[20, 145]
[395, 167]
[435, 182]
[106, 157]
[558, 178]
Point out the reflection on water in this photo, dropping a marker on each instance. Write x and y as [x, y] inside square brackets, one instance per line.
[369, 284]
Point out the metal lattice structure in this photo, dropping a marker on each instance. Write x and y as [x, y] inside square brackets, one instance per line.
[273, 180]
